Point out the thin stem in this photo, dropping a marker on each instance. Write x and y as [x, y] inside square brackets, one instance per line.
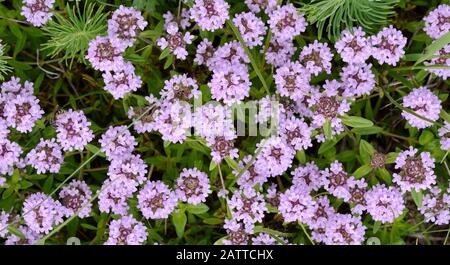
[306, 233]
[411, 111]
[252, 60]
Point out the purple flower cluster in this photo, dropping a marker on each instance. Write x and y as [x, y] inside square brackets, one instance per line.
[279, 53]
[75, 198]
[437, 22]
[308, 177]
[124, 26]
[337, 181]
[41, 213]
[286, 23]
[176, 41]
[126, 231]
[182, 21]
[204, 54]
[423, 102]
[30, 237]
[105, 53]
[121, 81]
[180, 87]
[73, 131]
[156, 200]
[358, 79]
[257, 6]
[117, 142]
[353, 46]
[388, 45]
[296, 205]
[113, 197]
[173, 121]
[230, 85]
[328, 106]
[128, 171]
[266, 239]
[192, 186]
[22, 112]
[344, 229]
[210, 15]
[251, 27]
[384, 204]
[275, 157]
[442, 60]
[444, 133]
[236, 233]
[296, 133]
[37, 12]
[247, 207]
[292, 80]
[46, 157]
[252, 176]
[436, 206]
[416, 170]
[19, 109]
[9, 155]
[317, 58]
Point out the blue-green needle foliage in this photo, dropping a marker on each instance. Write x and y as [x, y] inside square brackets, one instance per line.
[333, 16]
[71, 33]
[4, 68]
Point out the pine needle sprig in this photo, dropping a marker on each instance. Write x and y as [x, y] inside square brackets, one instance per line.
[333, 16]
[4, 67]
[70, 36]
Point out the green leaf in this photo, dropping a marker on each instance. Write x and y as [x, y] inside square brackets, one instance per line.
[233, 164]
[376, 226]
[301, 156]
[16, 176]
[212, 165]
[164, 53]
[426, 137]
[169, 61]
[356, 122]
[445, 116]
[362, 171]
[324, 147]
[417, 197]
[94, 149]
[88, 226]
[197, 209]
[48, 185]
[366, 151]
[249, 54]
[25, 184]
[8, 192]
[13, 230]
[391, 157]
[384, 175]
[213, 221]
[327, 129]
[367, 130]
[434, 47]
[179, 220]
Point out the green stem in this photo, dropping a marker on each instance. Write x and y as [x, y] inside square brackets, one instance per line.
[252, 60]
[306, 233]
[410, 111]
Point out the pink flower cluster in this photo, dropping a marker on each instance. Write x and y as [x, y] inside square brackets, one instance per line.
[105, 53]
